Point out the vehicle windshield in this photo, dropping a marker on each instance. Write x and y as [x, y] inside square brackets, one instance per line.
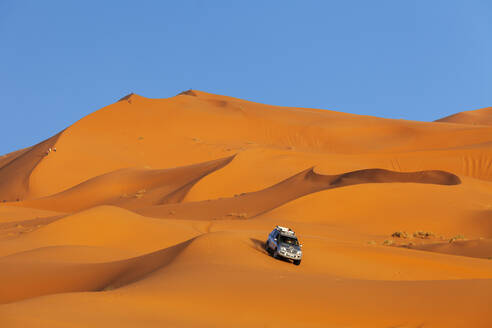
[288, 240]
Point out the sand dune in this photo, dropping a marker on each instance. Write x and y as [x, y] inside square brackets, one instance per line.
[249, 205]
[40, 277]
[185, 130]
[129, 188]
[475, 117]
[228, 284]
[108, 227]
[378, 210]
[153, 212]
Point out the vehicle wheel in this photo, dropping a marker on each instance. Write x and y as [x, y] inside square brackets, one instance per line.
[297, 262]
[267, 248]
[275, 254]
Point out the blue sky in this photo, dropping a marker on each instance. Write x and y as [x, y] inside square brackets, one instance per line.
[418, 60]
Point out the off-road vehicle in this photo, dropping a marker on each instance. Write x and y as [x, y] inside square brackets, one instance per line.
[282, 242]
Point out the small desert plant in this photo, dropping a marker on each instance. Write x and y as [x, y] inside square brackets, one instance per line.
[371, 242]
[399, 234]
[423, 234]
[388, 242]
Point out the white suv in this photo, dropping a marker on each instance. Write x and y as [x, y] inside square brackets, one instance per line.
[283, 242]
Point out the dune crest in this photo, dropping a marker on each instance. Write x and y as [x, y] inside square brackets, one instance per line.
[187, 93]
[481, 116]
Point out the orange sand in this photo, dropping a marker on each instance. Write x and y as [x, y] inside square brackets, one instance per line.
[476, 117]
[153, 213]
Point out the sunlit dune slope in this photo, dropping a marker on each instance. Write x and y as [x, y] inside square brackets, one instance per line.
[381, 209]
[105, 226]
[188, 129]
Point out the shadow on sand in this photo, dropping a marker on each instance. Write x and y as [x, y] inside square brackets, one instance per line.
[259, 245]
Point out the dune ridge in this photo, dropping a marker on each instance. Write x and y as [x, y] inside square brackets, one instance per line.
[252, 204]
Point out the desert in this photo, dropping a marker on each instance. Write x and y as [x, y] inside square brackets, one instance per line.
[153, 212]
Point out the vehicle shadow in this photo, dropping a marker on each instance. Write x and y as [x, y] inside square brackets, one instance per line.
[259, 245]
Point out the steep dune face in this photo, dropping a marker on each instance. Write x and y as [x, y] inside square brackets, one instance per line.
[7, 158]
[16, 169]
[154, 212]
[475, 117]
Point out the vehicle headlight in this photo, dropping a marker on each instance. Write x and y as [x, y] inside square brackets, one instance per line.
[299, 252]
[283, 249]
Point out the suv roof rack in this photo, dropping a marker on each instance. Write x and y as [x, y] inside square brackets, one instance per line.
[285, 230]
